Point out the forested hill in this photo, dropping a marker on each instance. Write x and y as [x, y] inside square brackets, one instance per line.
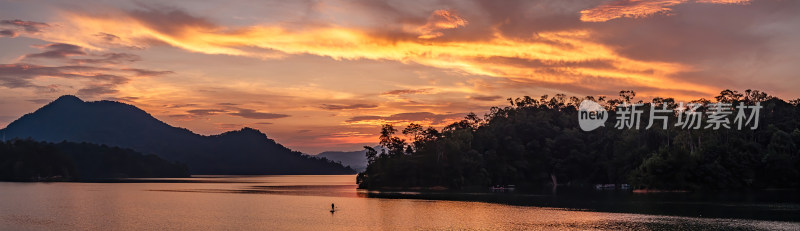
[538, 142]
[245, 151]
[28, 160]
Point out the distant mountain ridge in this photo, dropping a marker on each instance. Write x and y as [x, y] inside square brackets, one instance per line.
[245, 151]
[355, 159]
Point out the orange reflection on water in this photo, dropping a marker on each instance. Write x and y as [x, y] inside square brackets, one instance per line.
[292, 203]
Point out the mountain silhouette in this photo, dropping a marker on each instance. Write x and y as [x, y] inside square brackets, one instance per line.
[246, 151]
[354, 159]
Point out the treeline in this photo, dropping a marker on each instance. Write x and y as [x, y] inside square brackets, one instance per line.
[538, 142]
[28, 160]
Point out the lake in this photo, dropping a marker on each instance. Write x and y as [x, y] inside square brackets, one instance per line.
[303, 203]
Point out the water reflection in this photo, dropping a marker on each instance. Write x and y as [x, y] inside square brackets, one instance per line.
[299, 203]
[295, 190]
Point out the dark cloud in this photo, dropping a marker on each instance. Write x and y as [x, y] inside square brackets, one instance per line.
[410, 116]
[441, 20]
[64, 51]
[195, 113]
[227, 104]
[347, 106]
[229, 126]
[485, 98]
[122, 99]
[20, 75]
[110, 58]
[145, 72]
[96, 80]
[181, 105]
[28, 26]
[524, 18]
[109, 78]
[8, 33]
[57, 51]
[102, 80]
[407, 91]
[512, 18]
[97, 89]
[700, 32]
[108, 37]
[169, 21]
[724, 45]
[181, 116]
[205, 112]
[14, 76]
[364, 118]
[116, 41]
[252, 114]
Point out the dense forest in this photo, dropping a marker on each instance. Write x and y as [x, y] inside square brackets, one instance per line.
[535, 143]
[28, 160]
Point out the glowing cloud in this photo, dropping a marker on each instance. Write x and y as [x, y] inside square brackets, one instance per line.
[639, 8]
[725, 1]
[440, 19]
[564, 57]
[628, 9]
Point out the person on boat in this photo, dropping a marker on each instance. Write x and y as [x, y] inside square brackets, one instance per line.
[332, 208]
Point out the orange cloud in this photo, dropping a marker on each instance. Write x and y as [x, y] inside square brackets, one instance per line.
[547, 58]
[639, 8]
[724, 1]
[422, 118]
[440, 19]
[350, 138]
[628, 9]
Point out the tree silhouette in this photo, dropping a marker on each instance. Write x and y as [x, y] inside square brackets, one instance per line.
[533, 143]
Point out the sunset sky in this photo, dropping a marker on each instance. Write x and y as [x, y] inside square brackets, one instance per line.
[323, 75]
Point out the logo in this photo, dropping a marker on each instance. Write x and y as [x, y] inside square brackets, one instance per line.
[591, 115]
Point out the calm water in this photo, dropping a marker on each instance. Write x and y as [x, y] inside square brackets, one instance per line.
[297, 203]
